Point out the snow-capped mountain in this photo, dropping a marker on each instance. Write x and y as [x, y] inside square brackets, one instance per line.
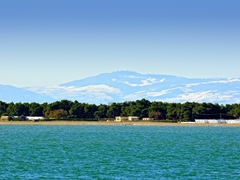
[123, 86]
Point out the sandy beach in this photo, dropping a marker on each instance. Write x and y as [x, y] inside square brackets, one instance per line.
[79, 123]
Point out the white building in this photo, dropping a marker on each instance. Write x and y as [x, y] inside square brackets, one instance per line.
[33, 118]
[133, 118]
[124, 118]
[218, 121]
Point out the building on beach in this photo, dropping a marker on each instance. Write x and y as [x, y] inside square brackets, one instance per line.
[35, 118]
[126, 118]
[23, 118]
[147, 119]
[121, 118]
[133, 118]
[5, 118]
[218, 121]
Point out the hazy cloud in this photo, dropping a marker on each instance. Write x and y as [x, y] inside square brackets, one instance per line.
[230, 80]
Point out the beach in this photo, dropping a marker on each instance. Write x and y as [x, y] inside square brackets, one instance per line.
[111, 123]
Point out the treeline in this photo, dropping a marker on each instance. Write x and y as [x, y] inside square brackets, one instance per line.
[66, 109]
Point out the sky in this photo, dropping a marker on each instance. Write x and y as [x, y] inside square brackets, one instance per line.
[51, 42]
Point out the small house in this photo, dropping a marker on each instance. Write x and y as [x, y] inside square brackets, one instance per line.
[121, 118]
[5, 118]
[147, 119]
[19, 118]
[133, 118]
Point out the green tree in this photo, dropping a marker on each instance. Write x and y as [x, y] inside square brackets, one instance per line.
[77, 110]
[184, 111]
[35, 109]
[63, 104]
[235, 110]
[172, 111]
[114, 110]
[89, 110]
[58, 114]
[101, 111]
[18, 109]
[66, 104]
[3, 108]
[11, 110]
[198, 110]
[141, 109]
[125, 109]
[157, 110]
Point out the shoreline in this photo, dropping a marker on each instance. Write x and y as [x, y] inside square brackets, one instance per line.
[105, 123]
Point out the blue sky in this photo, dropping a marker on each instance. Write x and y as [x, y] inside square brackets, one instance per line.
[50, 42]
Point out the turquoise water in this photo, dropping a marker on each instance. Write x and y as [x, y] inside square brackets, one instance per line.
[119, 152]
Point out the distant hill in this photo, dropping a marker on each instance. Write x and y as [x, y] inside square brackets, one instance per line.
[13, 94]
[123, 86]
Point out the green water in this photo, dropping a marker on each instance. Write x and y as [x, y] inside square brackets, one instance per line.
[119, 152]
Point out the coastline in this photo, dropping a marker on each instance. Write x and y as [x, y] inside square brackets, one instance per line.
[105, 123]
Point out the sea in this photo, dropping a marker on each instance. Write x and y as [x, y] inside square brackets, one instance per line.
[119, 152]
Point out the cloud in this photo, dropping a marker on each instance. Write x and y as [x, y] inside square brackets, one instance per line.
[136, 95]
[229, 80]
[159, 93]
[136, 77]
[144, 82]
[147, 94]
[204, 96]
[97, 91]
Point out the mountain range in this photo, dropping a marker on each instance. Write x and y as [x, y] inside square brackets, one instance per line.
[124, 85]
